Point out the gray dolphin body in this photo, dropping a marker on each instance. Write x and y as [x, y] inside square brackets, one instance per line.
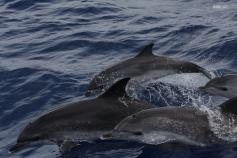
[225, 86]
[161, 125]
[171, 124]
[85, 120]
[144, 64]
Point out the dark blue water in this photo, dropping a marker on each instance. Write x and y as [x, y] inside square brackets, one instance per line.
[50, 50]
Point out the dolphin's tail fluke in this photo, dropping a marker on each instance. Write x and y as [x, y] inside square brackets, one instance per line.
[207, 73]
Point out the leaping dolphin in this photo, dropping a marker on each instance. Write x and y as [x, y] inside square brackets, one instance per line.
[143, 64]
[85, 120]
[225, 86]
[167, 124]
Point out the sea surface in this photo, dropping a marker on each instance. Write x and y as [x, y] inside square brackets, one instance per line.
[51, 49]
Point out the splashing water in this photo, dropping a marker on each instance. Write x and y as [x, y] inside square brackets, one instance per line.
[181, 90]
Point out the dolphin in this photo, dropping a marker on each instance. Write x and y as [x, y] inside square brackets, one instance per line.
[143, 65]
[225, 86]
[81, 121]
[185, 124]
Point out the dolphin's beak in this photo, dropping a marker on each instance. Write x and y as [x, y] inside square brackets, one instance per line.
[106, 136]
[17, 147]
[202, 88]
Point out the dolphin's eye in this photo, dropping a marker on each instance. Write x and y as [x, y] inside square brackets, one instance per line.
[222, 88]
[35, 138]
[137, 133]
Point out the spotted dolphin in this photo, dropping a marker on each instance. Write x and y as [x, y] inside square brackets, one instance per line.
[186, 124]
[144, 64]
[84, 120]
[225, 86]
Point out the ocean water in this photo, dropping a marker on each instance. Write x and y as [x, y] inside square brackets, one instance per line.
[50, 50]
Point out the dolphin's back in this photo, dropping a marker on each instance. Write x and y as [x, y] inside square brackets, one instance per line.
[86, 115]
[88, 119]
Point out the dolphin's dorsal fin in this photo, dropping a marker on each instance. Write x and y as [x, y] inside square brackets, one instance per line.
[147, 51]
[230, 106]
[117, 90]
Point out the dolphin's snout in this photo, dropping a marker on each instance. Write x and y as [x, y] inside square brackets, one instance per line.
[202, 88]
[106, 136]
[15, 148]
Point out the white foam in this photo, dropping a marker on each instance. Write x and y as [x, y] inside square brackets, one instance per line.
[218, 6]
[193, 80]
[187, 84]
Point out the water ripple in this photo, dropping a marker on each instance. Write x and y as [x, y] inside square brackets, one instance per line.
[50, 50]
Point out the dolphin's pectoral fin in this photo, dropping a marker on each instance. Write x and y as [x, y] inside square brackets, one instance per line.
[199, 69]
[117, 90]
[147, 51]
[67, 145]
